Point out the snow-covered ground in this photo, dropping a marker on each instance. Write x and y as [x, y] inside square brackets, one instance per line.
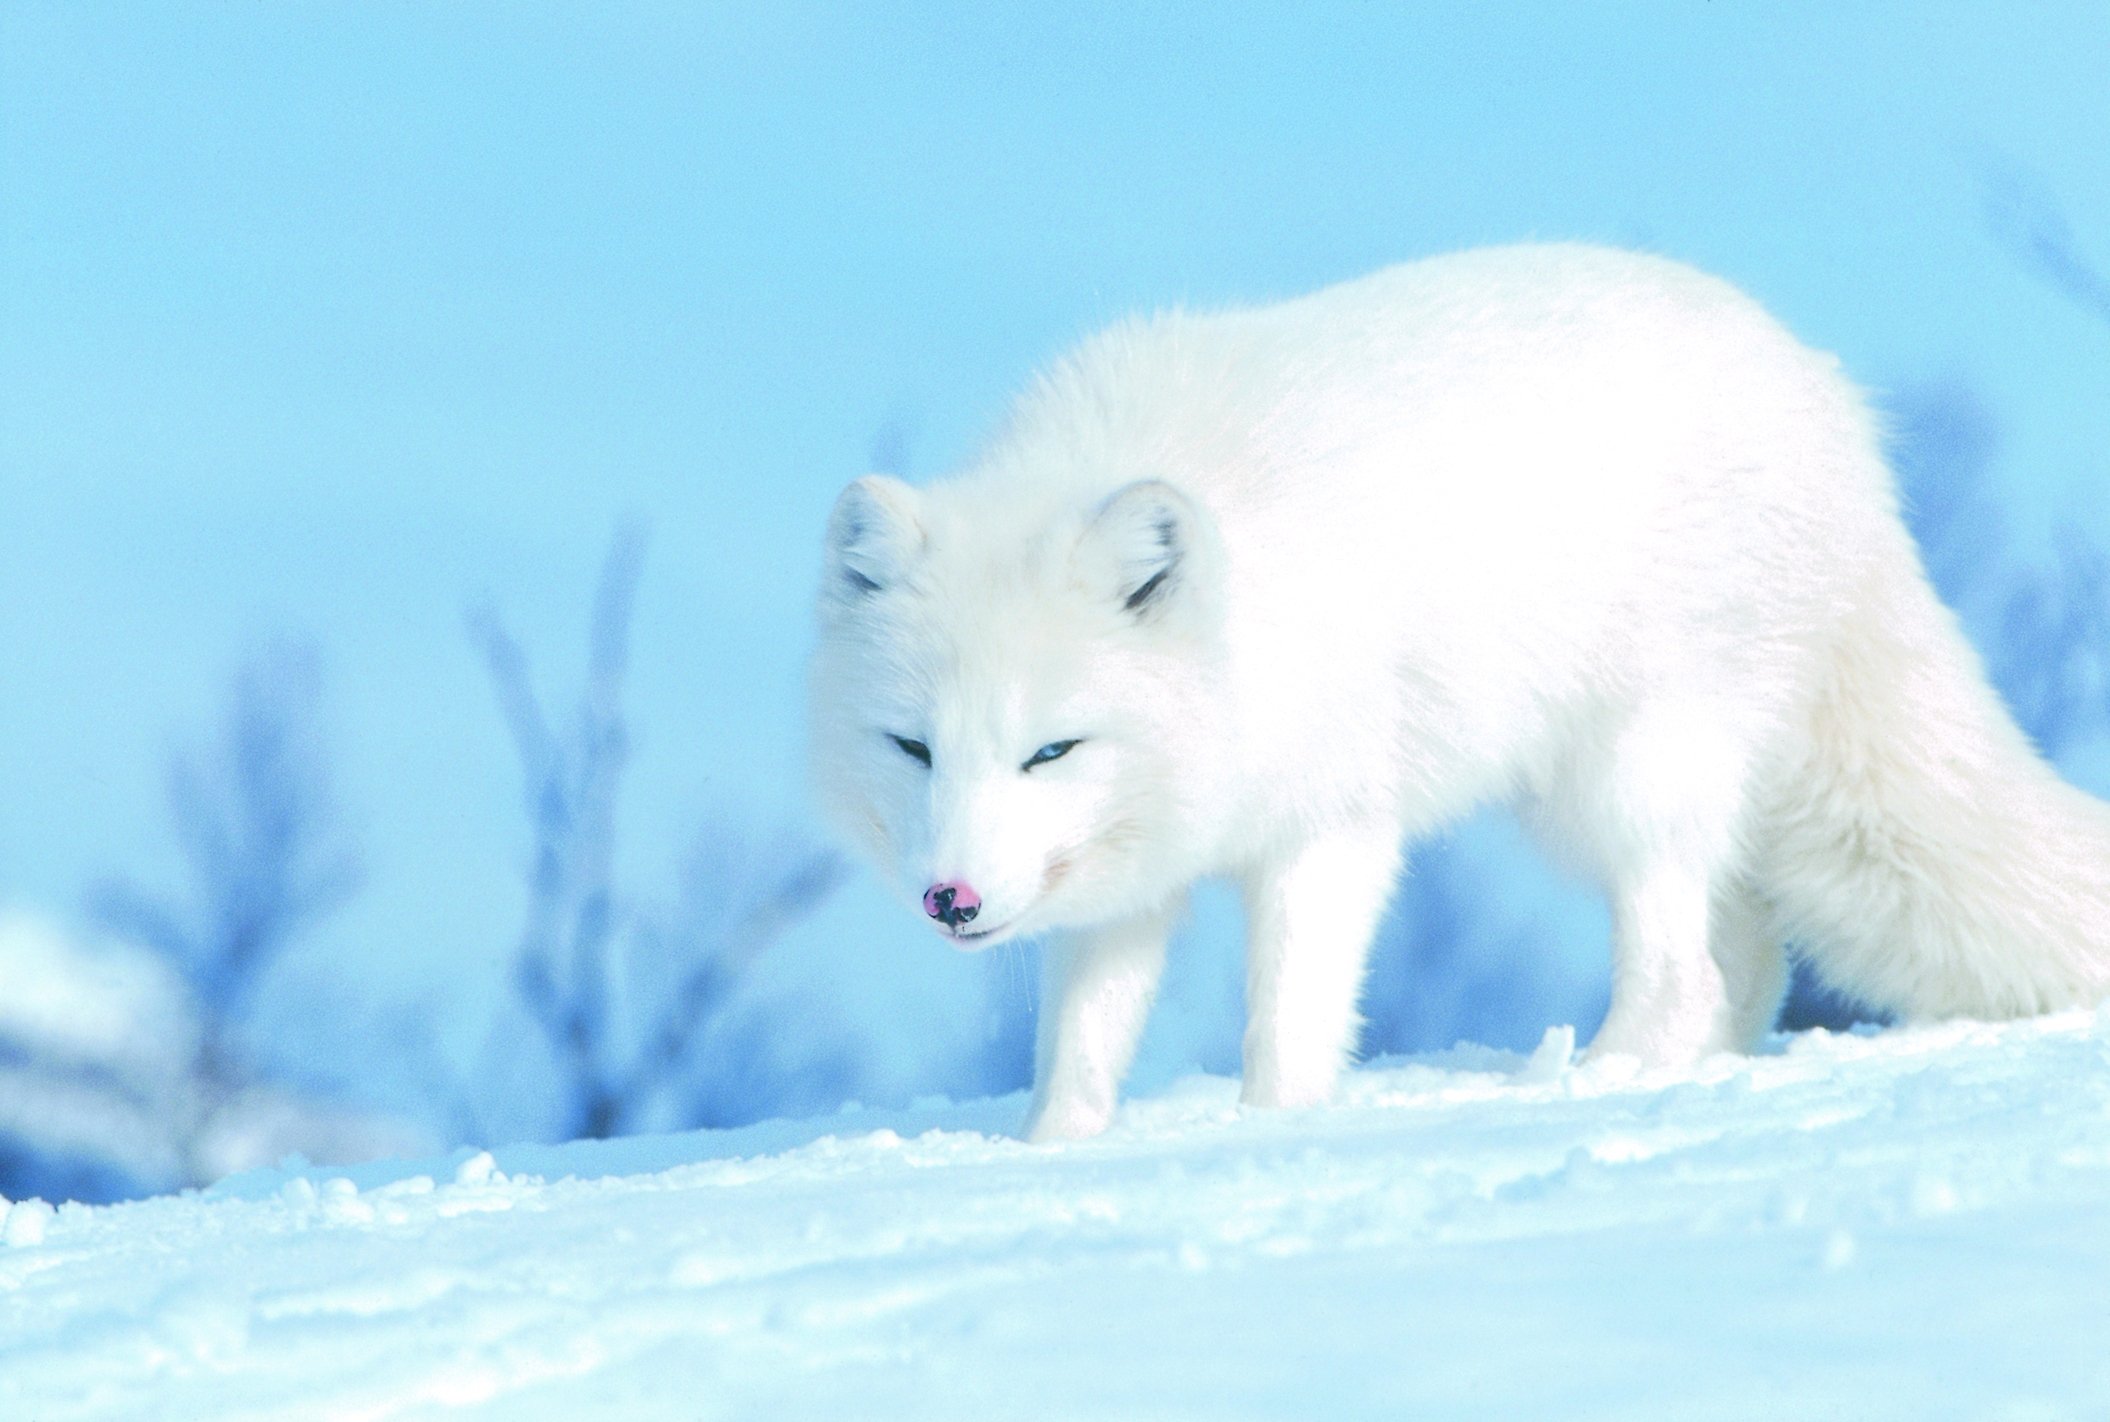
[1914, 1224]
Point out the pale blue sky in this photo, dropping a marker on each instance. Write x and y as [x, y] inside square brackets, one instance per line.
[330, 319]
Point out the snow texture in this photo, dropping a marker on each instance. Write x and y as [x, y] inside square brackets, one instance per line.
[1903, 1225]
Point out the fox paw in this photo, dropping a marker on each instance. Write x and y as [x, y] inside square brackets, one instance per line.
[1069, 1120]
[1275, 1090]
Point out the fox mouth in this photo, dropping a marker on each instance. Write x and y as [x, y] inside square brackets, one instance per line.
[980, 936]
[969, 940]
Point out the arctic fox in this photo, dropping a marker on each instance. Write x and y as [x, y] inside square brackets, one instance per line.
[1268, 593]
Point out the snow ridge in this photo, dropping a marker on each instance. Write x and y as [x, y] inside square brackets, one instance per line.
[1915, 1224]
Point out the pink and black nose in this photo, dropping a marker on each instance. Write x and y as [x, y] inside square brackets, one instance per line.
[952, 903]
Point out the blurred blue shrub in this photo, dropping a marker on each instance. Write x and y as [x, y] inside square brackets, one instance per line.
[637, 1009]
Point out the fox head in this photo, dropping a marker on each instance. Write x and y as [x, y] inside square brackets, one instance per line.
[1006, 699]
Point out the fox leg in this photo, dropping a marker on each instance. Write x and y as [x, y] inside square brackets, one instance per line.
[1754, 966]
[1097, 988]
[1309, 920]
[1684, 946]
[1670, 1002]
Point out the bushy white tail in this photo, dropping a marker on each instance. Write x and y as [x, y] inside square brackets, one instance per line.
[1921, 852]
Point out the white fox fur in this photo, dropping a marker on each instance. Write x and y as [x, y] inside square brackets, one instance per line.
[1576, 529]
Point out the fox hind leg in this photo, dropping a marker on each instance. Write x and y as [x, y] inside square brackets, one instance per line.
[1754, 965]
[1691, 966]
[1670, 1002]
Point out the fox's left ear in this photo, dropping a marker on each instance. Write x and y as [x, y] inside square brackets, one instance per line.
[874, 534]
[1149, 547]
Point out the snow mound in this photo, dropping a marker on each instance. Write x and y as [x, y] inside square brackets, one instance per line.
[102, 1003]
[1914, 1224]
[99, 1076]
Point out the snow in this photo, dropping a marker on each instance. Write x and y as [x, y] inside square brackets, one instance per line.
[1908, 1224]
[105, 1002]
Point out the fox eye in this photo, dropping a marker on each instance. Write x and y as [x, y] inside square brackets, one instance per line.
[914, 750]
[1053, 750]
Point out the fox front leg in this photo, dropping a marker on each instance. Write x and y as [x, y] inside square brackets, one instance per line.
[1309, 921]
[1097, 990]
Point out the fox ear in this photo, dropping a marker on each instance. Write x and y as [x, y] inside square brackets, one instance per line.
[1145, 545]
[873, 535]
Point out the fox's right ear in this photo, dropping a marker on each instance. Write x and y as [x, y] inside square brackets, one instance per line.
[873, 535]
[1149, 548]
